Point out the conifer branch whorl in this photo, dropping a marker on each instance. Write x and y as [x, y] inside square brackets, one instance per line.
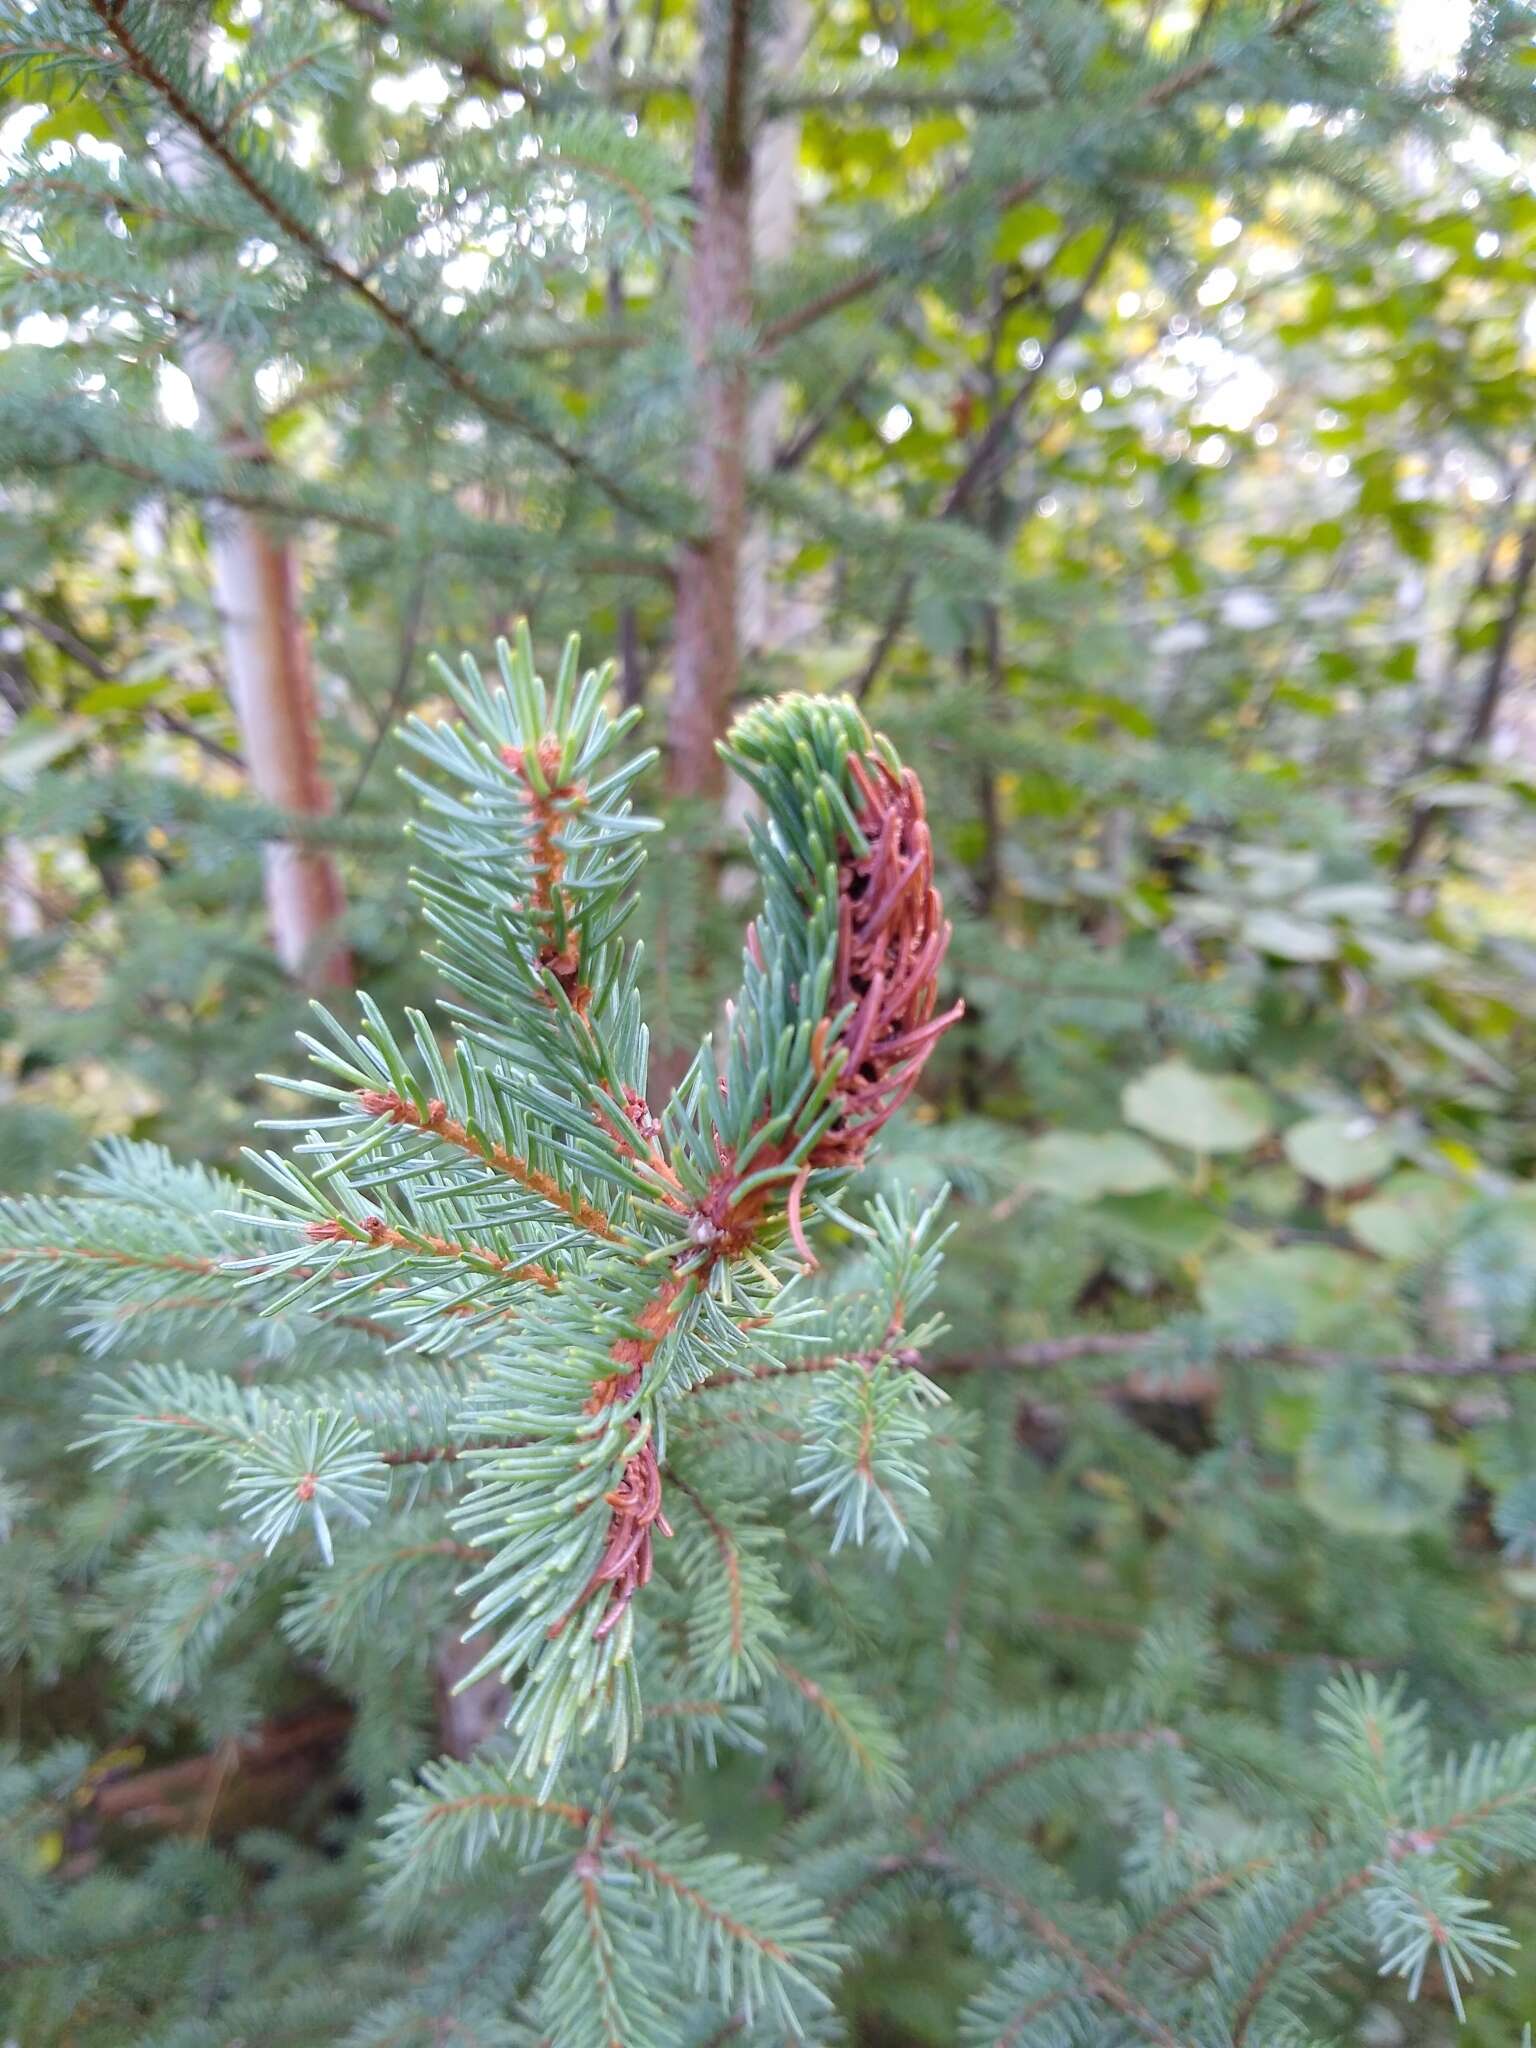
[512, 1202]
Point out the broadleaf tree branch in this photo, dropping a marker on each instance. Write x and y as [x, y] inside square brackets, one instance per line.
[988, 453]
[859, 283]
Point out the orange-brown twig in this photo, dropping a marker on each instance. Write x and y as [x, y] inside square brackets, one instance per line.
[435, 1118]
[375, 1231]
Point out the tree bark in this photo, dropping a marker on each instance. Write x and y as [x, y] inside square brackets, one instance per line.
[767, 620]
[255, 586]
[266, 656]
[631, 668]
[706, 647]
[1490, 695]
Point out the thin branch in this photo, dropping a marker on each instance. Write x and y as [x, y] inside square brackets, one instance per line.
[1399, 1847]
[730, 1556]
[1154, 1736]
[197, 1304]
[85, 657]
[164, 1262]
[822, 1362]
[477, 62]
[730, 1924]
[379, 1234]
[1063, 327]
[480, 538]
[1131, 1344]
[1496, 673]
[988, 450]
[788, 457]
[1189, 1902]
[817, 1698]
[890, 633]
[867, 97]
[506, 1802]
[262, 88]
[1098, 1982]
[1102, 1626]
[1049, 1354]
[1490, 694]
[1288, 1942]
[410, 628]
[154, 1793]
[1160, 1924]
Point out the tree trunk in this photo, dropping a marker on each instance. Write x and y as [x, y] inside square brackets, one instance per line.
[706, 648]
[266, 654]
[767, 621]
[255, 585]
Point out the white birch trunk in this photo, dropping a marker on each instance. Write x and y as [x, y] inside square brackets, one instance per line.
[266, 656]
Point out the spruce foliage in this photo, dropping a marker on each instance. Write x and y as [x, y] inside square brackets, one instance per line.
[516, 1277]
[490, 1340]
[1117, 1629]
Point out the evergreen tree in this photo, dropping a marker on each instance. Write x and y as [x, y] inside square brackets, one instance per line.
[1147, 447]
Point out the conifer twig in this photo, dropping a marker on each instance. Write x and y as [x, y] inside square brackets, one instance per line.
[375, 1231]
[435, 1120]
[1099, 1982]
[1052, 1352]
[1275, 1957]
[1152, 1736]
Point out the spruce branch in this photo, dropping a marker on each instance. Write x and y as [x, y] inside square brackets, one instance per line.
[1023, 1754]
[1101, 1984]
[433, 1118]
[847, 1739]
[605, 1259]
[735, 1623]
[1418, 1840]
[520, 1272]
[258, 183]
[53, 432]
[476, 62]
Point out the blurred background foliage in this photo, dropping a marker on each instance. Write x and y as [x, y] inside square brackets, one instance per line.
[1139, 401]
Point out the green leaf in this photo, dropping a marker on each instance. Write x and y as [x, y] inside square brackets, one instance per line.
[1167, 1222]
[1366, 900]
[1415, 1489]
[1403, 959]
[1203, 1112]
[1410, 1217]
[1288, 937]
[119, 696]
[1340, 1151]
[1080, 1166]
[36, 742]
[1020, 228]
[1270, 873]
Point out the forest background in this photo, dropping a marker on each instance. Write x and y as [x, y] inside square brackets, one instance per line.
[1128, 402]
